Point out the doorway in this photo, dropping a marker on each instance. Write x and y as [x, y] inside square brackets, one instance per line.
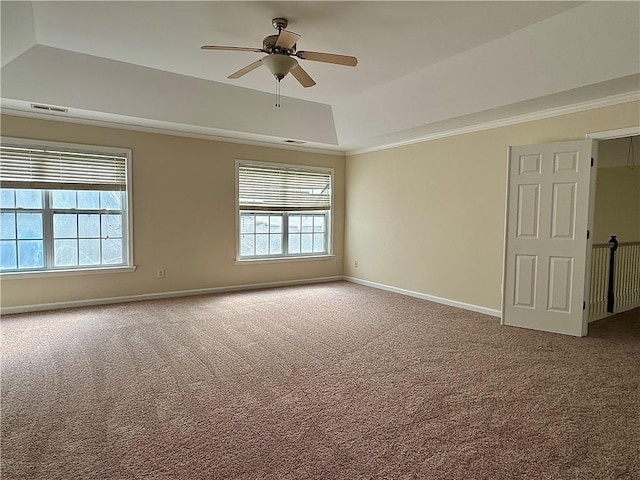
[549, 237]
[616, 227]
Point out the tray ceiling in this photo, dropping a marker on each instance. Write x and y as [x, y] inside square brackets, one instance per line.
[133, 62]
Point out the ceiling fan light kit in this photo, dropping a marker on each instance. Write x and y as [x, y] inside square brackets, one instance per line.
[280, 50]
[279, 65]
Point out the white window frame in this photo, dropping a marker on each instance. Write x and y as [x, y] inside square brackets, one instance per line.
[129, 264]
[282, 257]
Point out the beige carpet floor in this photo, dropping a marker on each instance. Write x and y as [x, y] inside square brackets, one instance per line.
[330, 381]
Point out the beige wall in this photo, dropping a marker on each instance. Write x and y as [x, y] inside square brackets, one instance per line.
[429, 217]
[184, 216]
[617, 209]
[617, 205]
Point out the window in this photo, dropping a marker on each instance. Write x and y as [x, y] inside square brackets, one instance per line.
[63, 207]
[284, 211]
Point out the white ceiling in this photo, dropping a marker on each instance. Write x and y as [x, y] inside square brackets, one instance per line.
[390, 39]
[421, 64]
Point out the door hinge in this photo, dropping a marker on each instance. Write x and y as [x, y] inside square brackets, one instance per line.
[592, 161]
[584, 305]
[588, 234]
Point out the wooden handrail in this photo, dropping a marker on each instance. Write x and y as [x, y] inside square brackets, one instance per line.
[620, 244]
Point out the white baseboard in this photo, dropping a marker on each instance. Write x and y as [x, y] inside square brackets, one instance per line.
[155, 296]
[235, 288]
[424, 296]
[599, 317]
[607, 314]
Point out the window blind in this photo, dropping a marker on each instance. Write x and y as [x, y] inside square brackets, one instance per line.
[56, 169]
[262, 187]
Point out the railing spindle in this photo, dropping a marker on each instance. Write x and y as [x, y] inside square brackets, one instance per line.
[615, 278]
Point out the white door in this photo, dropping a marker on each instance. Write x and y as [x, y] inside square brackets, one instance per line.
[549, 196]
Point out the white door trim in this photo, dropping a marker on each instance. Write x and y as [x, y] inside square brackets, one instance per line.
[618, 133]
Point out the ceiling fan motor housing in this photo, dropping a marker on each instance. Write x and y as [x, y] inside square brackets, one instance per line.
[269, 46]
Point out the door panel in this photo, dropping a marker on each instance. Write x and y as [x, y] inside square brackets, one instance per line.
[525, 287]
[548, 200]
[528, 201]
[563, 211]
[560, 281]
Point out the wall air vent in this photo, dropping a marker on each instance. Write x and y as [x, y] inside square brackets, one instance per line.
[49, 108]
[294, 142]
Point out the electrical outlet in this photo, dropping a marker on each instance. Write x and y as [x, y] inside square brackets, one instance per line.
[160, 273]
[355, 264]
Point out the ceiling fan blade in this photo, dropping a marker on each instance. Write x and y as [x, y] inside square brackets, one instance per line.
[328, 58]
[287, 39]
[232, 49]
[302, 76]
[245, 70]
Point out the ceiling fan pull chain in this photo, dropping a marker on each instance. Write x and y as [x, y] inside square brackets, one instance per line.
[277, 92]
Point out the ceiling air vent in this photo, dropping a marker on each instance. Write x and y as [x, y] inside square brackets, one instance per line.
[49, 108]
[294, 142]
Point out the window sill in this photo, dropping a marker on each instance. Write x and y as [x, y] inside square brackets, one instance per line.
[64, 273]
[253, 261]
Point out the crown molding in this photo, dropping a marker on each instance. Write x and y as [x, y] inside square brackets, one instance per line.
[17, 109]
[508, 121]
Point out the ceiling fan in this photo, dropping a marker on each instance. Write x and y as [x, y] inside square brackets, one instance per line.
[281, 50]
